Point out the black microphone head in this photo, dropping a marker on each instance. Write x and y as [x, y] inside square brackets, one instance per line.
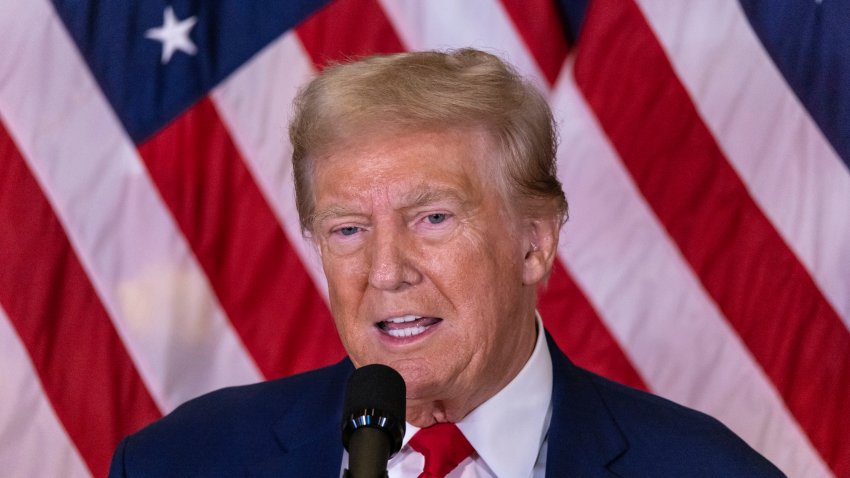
[375, 398]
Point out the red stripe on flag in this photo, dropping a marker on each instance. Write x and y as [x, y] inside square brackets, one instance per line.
[539, 24]
[81, 362]
[348, 29]
[579, 331]
[256, 274]
[763, 290]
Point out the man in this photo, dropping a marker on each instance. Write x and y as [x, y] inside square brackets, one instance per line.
[427, 183]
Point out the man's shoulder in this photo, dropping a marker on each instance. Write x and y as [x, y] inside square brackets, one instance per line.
[664, 437]
[247, 405]
[636, 409]
[226, 428]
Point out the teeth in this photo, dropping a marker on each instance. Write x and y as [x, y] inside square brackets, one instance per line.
[407, 332]
[402, 319]
[406, 325]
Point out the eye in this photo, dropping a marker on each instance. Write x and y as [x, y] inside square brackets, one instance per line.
[348, 230]
[436, 218]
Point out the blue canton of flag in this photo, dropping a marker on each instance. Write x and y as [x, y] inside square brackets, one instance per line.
[147, 92]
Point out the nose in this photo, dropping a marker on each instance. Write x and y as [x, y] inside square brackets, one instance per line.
[391, 268]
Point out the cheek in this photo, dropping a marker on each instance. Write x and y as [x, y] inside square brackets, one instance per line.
[492, 281]
[343, 305]
[490, 260]
[345, 274]
[477, 267]
[345, 291]
[351, 333]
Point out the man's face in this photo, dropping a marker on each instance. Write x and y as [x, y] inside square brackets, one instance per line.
[425, 261]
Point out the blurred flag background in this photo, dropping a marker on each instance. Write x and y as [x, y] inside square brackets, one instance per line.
[150, 250]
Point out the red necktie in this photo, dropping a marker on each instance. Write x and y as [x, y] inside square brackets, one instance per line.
[443, 446]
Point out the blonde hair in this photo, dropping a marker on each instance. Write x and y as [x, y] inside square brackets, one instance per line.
[431, 90]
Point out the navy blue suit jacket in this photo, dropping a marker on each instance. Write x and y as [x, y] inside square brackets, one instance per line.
[291, 428]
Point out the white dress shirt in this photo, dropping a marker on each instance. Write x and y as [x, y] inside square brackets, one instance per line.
[508, 431]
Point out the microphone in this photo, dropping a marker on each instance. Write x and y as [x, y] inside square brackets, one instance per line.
[373, 420]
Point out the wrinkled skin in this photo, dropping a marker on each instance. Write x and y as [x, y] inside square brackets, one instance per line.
[414, 225]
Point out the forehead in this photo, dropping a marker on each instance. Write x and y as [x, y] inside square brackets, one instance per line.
[410, 167]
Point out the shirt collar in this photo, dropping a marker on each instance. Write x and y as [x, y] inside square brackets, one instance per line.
[508, 429]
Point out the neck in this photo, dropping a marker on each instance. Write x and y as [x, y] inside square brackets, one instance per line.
[427, 411]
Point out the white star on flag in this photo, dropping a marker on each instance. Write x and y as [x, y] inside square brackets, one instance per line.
[173, 34]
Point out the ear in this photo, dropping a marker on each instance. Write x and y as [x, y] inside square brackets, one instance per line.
[541, 245]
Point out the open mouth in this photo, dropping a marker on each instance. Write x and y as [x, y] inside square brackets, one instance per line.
[407, 325]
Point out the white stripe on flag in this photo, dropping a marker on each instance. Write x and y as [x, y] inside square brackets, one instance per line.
[157, 295]
[652, 302]
[791, 170]
[482, 24]
[34, 443]
[255, 103]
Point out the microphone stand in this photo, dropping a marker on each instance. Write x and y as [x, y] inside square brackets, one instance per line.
[371, 438]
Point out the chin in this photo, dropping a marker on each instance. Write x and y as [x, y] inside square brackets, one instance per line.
[419, 380]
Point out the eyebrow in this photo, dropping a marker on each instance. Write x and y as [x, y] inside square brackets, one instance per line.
[425, 195]
[331, 212]
[417, 197]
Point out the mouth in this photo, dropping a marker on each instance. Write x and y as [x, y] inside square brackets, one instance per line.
[407, 325]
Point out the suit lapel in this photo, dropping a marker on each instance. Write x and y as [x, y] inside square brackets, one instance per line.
[583, 436]
[309, 433]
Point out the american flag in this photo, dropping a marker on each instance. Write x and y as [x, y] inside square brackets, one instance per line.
[150, 249]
